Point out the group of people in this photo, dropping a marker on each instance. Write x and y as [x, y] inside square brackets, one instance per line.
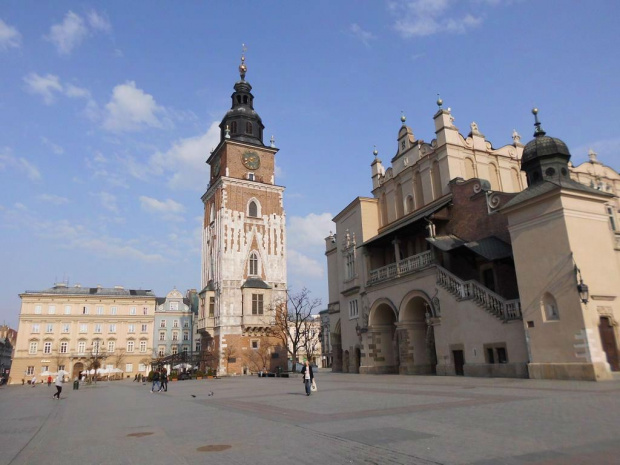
[160, 381]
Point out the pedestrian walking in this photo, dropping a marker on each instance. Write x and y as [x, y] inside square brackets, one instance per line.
[49, 380]
[58, 383]
[155, 386]
[33, 381]
[164, 381]
[307, 376]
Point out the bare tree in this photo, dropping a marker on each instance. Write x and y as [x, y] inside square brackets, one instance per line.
[119, 357]
[290, 320]
[260, 356]
[311, 337]
[229, 352]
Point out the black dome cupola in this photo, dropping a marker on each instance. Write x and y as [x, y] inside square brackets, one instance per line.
[544, 158]
[242, 122]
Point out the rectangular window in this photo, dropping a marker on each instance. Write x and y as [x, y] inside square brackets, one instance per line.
[175, 350]
[144, 328]
[612, 218]
[254, 344]
[162, 336]
[98, 327]
[111, 346]
[129, 346]
[66, 327]
[257, 304]
[349, 265]
[185, 350]
[67, 309]
[37, 309]
[174, 306]
[161, 350]
[132, 328]
[198, 346]
[175, 336]
[61, 368]
[99, 310]
[186, 324]
[51, 309]
[142, 346]
[129, 368]
[49, 328]
[84, 310]
[132, 311]
[490, 355]
[211, 307]
[141, 367]
[145, 310]
[47, 348]
[501, 355]
[32, 349]
[35, 328]
[30, 371]
[353, 309]
[113, 310]
[112, 328]
[45, 368]
[83, 327]
[175, 324]
[81, 347]
[63, 347]
[162, 324]
[186, 335]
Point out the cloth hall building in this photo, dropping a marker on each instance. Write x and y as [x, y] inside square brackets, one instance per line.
[478, 261]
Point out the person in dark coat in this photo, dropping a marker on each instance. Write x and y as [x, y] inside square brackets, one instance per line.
[308, 376]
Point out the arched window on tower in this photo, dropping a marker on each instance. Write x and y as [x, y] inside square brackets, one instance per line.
[233, 127]
[253, 208]
[410, 204]
[253, 264]
[245, 99]
[248, 128]
[238, 98]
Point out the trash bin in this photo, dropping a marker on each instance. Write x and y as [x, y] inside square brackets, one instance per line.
[76, 385]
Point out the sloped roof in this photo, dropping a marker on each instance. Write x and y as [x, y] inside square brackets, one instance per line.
[255, 283]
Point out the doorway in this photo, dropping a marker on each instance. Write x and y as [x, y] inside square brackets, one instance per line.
[609, 343]
[459, 362]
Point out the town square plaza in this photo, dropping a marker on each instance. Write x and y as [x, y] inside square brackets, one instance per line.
[351, 419]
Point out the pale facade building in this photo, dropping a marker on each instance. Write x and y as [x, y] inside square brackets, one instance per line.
[243, 243]
[65, 328]
[424, 276]
[173, 325]
[310, 340]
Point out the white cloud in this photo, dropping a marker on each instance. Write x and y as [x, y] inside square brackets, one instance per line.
[108, 201]
[9, 36]
[364, 36]
[131, 109]
[56, 149]
[184, 163]
[68, 34]
[53, 199]
[417, 18]
[45, 86]
[303, 266]
[99, 22]
[309, 231]
[20, 164]
[168, 209]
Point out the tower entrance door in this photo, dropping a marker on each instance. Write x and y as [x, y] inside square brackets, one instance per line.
[609, 343]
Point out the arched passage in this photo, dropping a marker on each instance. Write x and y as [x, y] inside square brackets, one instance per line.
[381, 355]
[416, 341]
[336, 349]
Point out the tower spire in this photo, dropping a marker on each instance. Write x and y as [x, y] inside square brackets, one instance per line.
[242, 67]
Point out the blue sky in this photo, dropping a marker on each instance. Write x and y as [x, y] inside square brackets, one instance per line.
[108, 111]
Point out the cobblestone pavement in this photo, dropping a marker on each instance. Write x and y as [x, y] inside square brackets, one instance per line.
[352, 419]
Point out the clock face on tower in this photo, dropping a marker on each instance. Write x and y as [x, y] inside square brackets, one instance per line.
[216, 167]
[251, 160]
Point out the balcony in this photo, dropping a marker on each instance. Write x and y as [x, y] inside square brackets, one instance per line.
[401, 268]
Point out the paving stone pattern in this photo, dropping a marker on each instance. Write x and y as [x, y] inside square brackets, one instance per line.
[352, 419]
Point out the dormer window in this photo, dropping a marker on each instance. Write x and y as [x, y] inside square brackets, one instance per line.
[251, 176]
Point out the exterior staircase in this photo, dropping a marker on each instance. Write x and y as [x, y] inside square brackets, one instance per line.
[496, 305]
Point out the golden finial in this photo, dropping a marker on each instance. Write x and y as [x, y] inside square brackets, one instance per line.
[242, 67]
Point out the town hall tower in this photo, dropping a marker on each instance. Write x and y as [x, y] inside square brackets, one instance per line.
[243, 245]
